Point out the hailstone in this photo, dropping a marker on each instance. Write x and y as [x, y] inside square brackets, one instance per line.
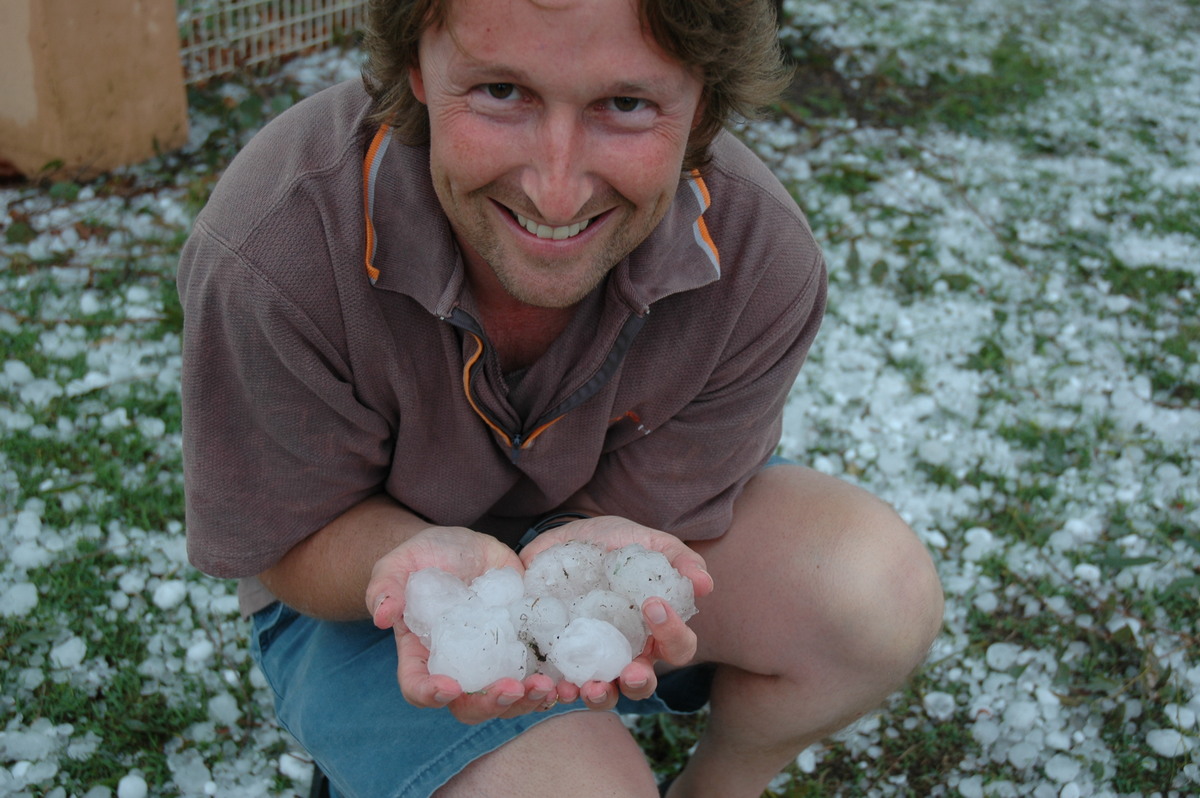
[618, 610]
[565, 571]
[430, 594]
[639, 573]
[538, 620]
[589, 649]
[574, 615]
[475, 645]
[498, 587]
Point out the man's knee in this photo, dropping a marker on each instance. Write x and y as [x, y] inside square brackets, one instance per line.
[578, 753]
[889, 600]
[837, 565]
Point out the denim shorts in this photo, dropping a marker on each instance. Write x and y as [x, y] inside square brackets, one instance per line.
[336, 693]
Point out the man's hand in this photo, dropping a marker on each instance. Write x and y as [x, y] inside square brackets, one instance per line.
[670, 638]
[465, 554]
[456, 550]
[468, 554]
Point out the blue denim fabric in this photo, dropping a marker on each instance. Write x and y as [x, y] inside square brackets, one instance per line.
[336, 693]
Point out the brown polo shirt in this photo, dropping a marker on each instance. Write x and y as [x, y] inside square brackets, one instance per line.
[327, 359]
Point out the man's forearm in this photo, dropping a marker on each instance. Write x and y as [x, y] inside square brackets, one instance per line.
[326, 574]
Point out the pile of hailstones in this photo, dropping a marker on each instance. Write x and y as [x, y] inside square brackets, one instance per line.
[574, 616]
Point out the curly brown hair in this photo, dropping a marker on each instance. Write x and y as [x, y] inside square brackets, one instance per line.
[732, 44]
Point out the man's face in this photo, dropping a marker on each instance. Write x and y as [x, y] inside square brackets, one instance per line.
[557, 134]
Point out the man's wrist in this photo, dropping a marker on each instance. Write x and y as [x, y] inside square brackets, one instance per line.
[550, 521]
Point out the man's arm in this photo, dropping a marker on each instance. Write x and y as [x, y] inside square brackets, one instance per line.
[326, 574]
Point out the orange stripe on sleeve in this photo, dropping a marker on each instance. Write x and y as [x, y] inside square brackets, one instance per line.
[703, 187]
[701, 227]
[368, 162]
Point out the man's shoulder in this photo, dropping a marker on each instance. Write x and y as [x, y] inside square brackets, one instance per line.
[289, 207]
[319, 127]
[755, 222]
[315, 147]
[744, 183]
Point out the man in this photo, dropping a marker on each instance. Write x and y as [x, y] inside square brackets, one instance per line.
[527, 275]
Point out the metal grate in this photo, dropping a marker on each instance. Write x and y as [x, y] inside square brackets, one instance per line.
[219, 37]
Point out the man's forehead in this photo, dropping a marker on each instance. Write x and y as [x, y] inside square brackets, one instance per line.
[459, 15]
[484, 40]
[450, 6]
[615, 82]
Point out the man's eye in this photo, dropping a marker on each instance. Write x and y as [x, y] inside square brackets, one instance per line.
[501, 91]
[626, 104]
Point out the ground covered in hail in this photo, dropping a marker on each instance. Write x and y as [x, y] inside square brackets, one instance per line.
[1009, 196]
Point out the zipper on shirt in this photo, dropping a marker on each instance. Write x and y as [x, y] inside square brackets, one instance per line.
[513, 440]
[516, 441]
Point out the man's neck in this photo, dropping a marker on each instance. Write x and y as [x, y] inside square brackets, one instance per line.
[521, 333]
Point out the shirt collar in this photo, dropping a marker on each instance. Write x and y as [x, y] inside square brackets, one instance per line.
[410, 248]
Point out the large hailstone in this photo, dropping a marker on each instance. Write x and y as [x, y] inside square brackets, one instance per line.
[589, 649]
[430, 594]
[618, 610]
[475, 645]
[499, 587]
[566, 571]
[574, 615]
[638, 573]
[538, 620]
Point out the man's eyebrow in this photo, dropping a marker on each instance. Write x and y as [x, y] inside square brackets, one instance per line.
[481, 72]
[637, 89]
[484, 72]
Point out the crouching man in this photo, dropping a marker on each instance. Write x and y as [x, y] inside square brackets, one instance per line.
[521, 277]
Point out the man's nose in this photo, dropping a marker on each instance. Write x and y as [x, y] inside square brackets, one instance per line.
[557, 178]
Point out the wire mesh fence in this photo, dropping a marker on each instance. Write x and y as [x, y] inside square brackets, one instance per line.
[220, 37]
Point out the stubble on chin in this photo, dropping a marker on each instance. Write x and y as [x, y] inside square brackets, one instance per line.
[546, 281]
[549, 282]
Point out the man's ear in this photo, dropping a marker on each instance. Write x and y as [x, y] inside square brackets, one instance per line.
[416, 83]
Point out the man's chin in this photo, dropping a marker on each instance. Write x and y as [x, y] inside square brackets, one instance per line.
[549, 292]
[548, 300]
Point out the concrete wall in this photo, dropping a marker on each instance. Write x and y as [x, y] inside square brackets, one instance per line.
[94, 84]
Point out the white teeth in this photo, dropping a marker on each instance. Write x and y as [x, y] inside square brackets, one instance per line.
[546, 231]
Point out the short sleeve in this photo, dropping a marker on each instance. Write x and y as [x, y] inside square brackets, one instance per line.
[276, 444]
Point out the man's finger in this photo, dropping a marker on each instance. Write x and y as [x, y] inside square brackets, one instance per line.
[638, 680]
[417, 685]
[672, 640]
[599, 695]
[498, 699]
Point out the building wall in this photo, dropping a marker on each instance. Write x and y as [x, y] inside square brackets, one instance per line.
[88, 86]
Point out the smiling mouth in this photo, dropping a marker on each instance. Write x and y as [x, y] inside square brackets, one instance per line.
[554, 233]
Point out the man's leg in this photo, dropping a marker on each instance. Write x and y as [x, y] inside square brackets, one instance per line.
[825, 603]
[335, 686]
[579, 754]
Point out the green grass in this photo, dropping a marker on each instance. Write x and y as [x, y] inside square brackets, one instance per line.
[887, 96]
[134, 724]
